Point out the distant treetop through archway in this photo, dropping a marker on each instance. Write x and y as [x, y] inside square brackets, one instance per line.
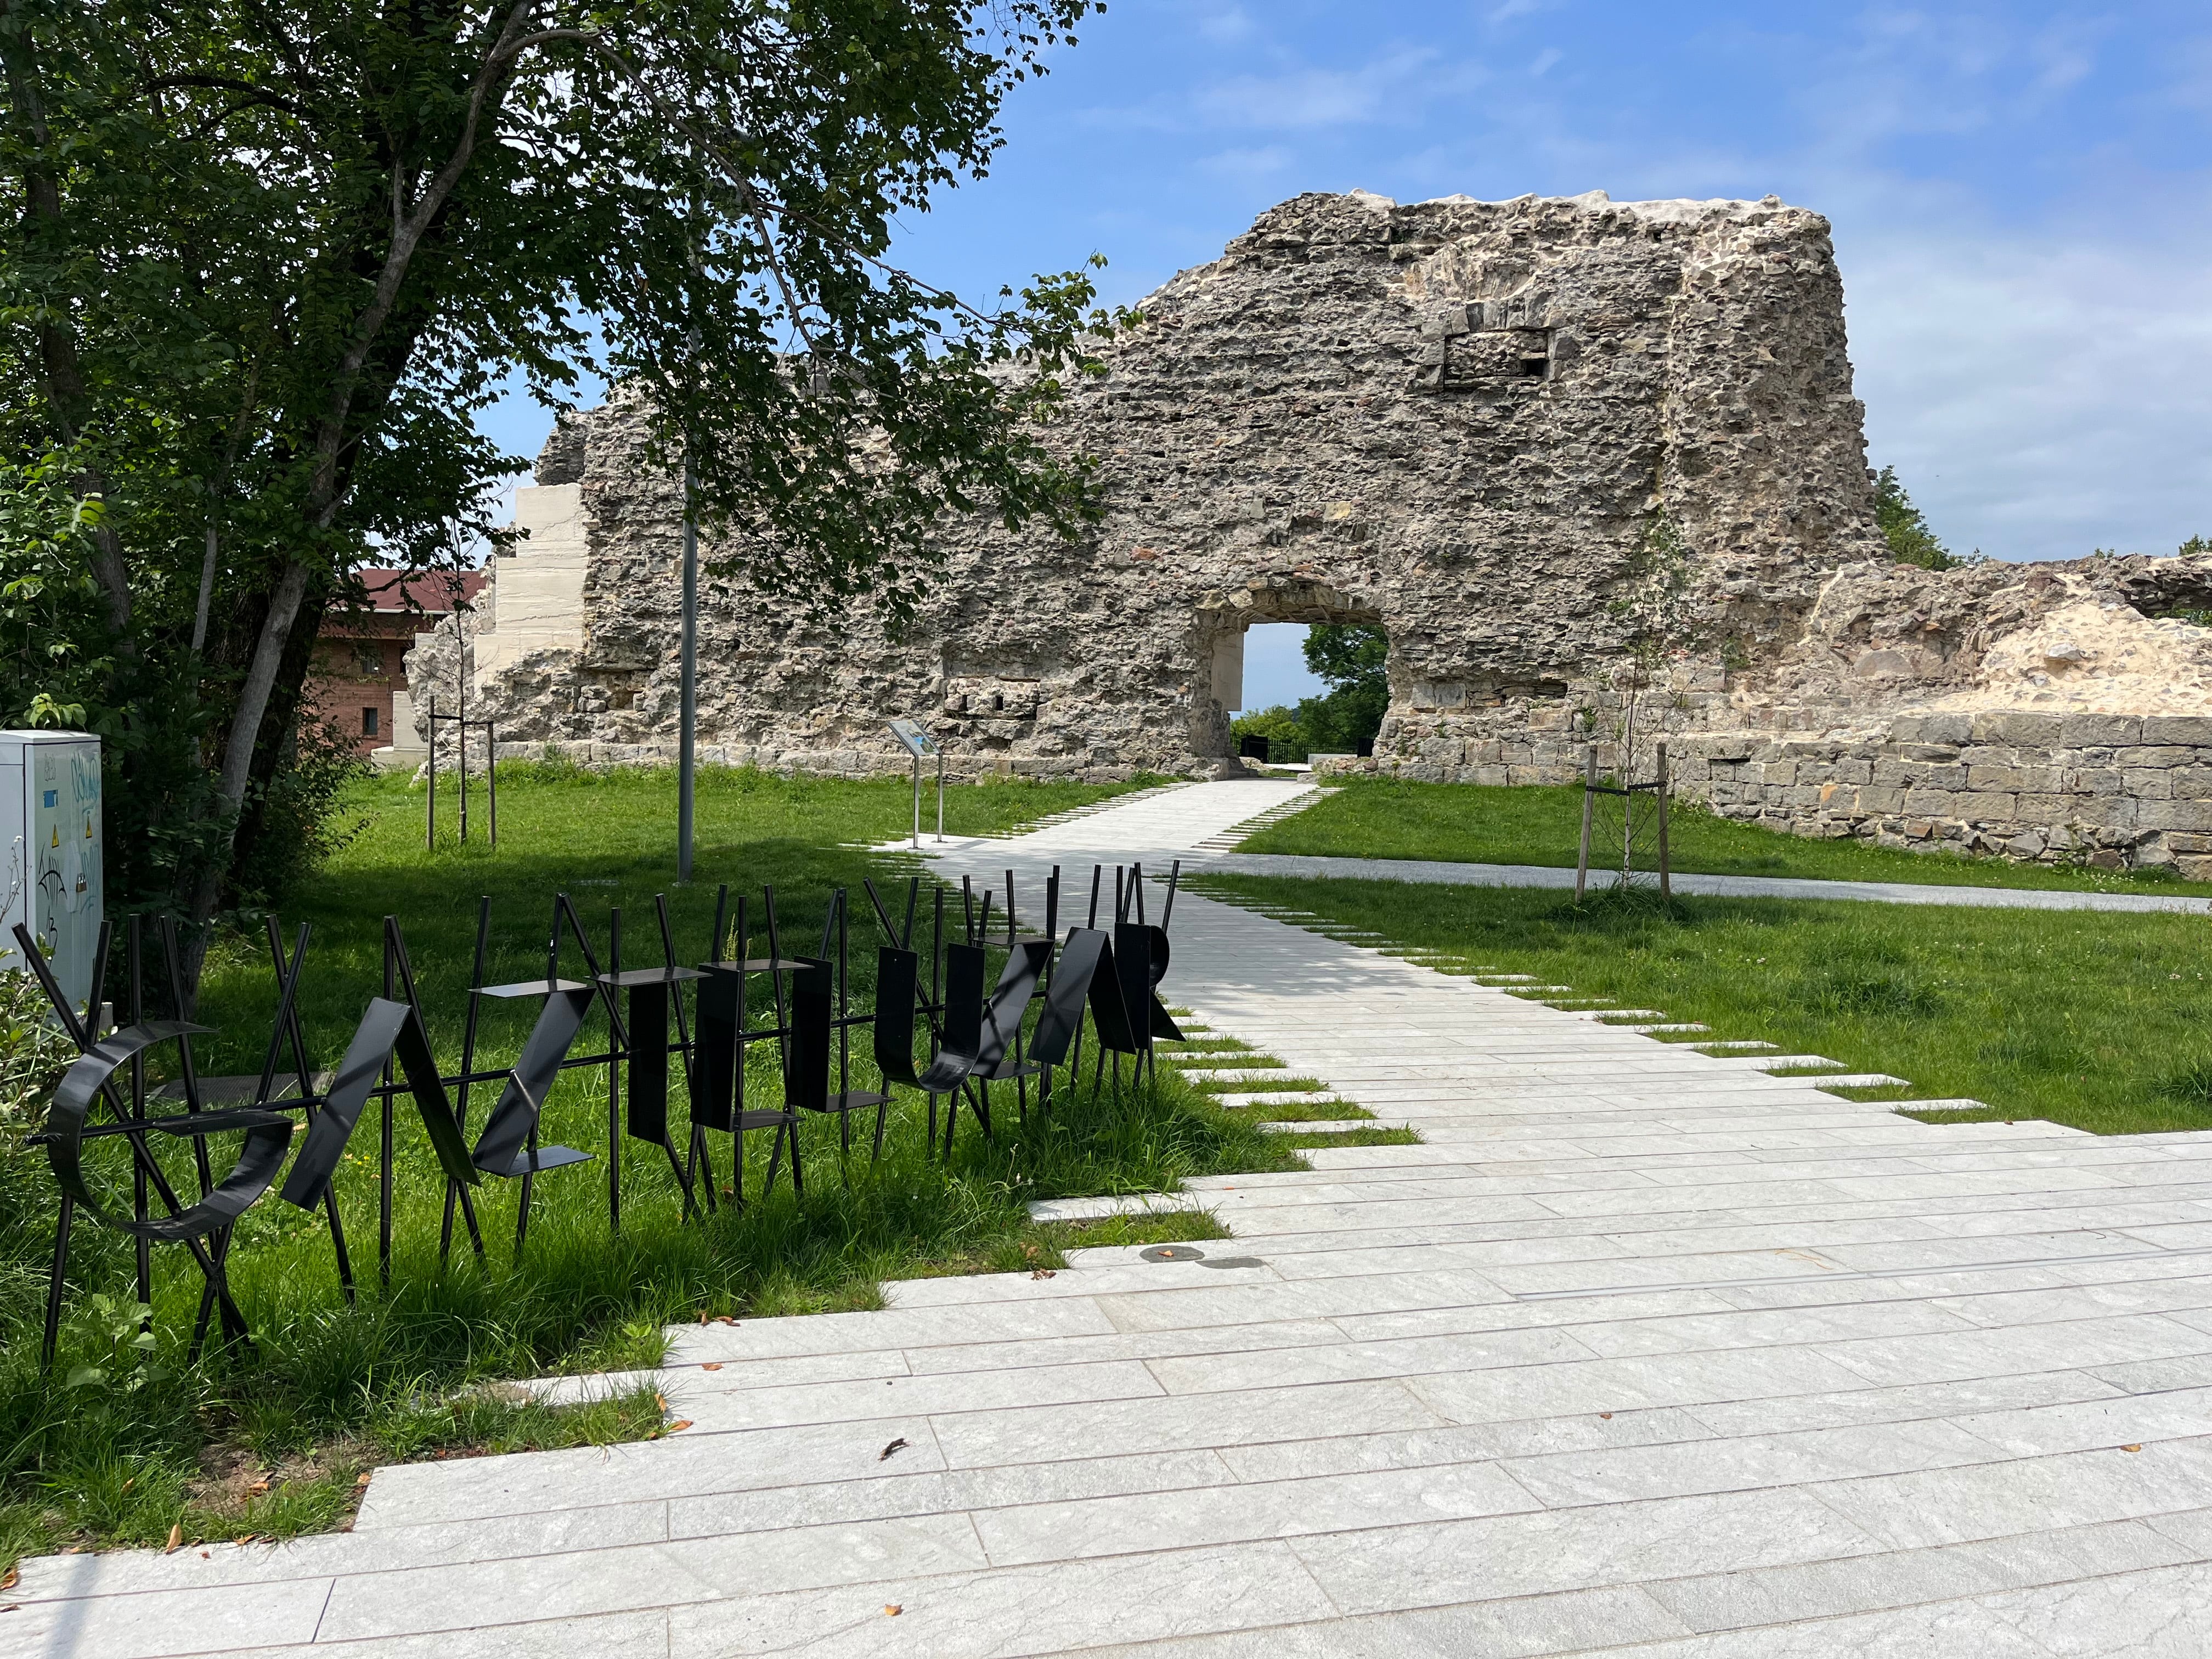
[1349, 658]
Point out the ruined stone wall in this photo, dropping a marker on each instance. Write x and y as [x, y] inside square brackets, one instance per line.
[2112, 790]
[1455, 418]
[2057, 712]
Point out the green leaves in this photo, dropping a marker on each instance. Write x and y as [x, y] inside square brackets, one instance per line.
[1906, 527]
[279, 256]
[120, 1331]
[1348, 654]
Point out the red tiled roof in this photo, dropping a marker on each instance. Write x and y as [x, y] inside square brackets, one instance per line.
[431, 595]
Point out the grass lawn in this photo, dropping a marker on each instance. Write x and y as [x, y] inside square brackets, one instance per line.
[2104, 1022]
[1479, 823]
[273, 1440]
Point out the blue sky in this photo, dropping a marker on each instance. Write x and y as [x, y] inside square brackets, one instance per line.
[2019, 194]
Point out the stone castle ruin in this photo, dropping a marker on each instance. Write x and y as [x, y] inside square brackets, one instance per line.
[1460, 420]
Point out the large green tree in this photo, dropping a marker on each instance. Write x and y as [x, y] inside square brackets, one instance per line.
[1352, 658]
[268, 259]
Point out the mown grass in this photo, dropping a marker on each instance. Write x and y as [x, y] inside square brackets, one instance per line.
[1375, 1137]
[2104, 1022]
[1477, 823]
[271, 1439]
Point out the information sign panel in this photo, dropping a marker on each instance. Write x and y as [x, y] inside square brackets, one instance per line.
[916, 741]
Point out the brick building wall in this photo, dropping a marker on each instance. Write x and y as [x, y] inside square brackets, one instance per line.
[357, 685]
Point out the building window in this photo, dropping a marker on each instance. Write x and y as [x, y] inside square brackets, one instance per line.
[369, 722]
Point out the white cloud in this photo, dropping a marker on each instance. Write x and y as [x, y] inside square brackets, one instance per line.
[1264, 162]
[2064, 54]
[1391, 87]
[1545, 60]
[2189, 64]
[1506, 12]
[1227, 26]
[2040, 397]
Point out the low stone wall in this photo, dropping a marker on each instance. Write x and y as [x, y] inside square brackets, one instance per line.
[2114, 790]
[801, 763]
[2111, 790]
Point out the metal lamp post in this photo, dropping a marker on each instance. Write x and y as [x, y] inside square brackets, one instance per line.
[688, 696]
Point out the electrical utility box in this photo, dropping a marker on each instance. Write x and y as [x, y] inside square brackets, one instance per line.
[49, 852]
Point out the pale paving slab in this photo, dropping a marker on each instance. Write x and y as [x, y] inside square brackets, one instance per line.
[1643, 1351]
[1442, 873]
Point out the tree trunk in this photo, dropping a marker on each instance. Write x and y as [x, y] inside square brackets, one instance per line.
[280, 727]
[238, 754]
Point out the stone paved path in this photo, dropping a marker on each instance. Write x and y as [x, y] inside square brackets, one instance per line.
[1196, 823]
[1443, 873]
[1643, 1352]
[1156, 821]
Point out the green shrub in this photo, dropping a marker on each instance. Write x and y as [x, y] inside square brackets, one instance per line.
[1286, 738]
[1906, 527]
[32, 1052]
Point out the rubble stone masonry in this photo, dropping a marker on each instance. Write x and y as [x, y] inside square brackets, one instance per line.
[1457, 419]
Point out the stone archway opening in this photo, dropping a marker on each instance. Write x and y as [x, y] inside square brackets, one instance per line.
[1332, 703]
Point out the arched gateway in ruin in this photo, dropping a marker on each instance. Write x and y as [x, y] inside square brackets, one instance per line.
[1458, 419]
[1453, 418]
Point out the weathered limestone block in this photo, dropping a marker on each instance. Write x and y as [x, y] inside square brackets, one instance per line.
[1979, 807]
[2047, 810]
[2101, 730]
[2193, 730]
[2189, 814]
[1989, 753]
[2019, 730]
[1950, 729]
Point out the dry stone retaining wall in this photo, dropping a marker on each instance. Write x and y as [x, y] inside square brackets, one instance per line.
[2107, 789]
[1992, 708]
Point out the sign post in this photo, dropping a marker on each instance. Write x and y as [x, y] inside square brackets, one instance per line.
[918, 743]
[687, 754]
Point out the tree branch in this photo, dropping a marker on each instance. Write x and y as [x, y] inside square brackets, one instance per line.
[407, 233]
[758, 205]
[250, 95]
